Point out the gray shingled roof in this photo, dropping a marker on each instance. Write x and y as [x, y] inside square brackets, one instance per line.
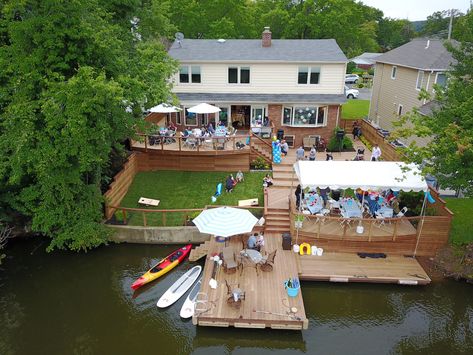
[415, 54]
[263, 98]
[428, 108]
[286, 50]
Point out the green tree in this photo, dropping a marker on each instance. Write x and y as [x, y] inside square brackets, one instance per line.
[75, 81]
[437, 23]
[393, 33]
[449, 152]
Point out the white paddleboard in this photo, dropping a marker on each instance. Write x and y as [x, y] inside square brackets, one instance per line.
[179, 287]
[187, 309]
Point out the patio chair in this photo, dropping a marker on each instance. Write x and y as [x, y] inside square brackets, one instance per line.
[230, 265]
[380, 219]
[268, 261]
[402, 212]
[230, 297]
[191, 143]
[321, 215]
[344, 219]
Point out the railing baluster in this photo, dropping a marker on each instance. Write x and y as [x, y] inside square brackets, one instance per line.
[144, 219]
[146, 142]
[124, 216]
[164, 219]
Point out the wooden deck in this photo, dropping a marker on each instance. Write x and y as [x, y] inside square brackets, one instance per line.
[266, 305]
[349, 267]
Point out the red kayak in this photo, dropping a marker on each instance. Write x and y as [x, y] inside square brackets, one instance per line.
[164, 266]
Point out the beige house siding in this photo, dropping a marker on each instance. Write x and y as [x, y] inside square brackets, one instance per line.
[268, 78]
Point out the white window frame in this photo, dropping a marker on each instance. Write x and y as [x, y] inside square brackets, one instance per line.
[399, 109]
[309, 74]
[239, 68]
[178, 118]
[256, 107]
[293, 112]
[437, 75]
[189, 74]
[420, 75]
[393, 72]
[185, 118]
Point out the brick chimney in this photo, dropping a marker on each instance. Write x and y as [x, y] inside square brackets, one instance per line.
[266, 37]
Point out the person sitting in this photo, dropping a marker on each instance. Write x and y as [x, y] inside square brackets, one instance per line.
[252, 240]
[239, 176]
[260, 242]
[284, 147]
[229, 185]
[172, 126]
[267, 181]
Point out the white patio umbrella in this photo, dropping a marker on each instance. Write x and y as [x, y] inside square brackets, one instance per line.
[204, 108]
[225, 221]
[164, 108]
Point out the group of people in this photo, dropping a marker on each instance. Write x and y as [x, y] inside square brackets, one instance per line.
[375, 199]
[255, 242]
[231, 181]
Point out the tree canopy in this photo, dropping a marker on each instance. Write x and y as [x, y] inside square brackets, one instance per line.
[75, 81]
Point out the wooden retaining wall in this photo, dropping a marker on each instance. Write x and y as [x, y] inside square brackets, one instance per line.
[230, 161]
[120, 184]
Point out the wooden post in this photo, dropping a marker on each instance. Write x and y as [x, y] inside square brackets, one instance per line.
[144, 219]
[198, 144]
[179, 140]
[162, 143]
[344, 230]
[318, 231]
[233, 142]
[164, 219]
[395, 229]
[146, 142]
[124, 216]
[369, 231]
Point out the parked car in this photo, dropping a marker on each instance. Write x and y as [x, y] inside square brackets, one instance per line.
[351, 93]
[351, 78]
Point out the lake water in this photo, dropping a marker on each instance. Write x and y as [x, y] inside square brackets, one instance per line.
[67, 303]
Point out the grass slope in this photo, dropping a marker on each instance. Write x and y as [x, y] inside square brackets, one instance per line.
[180, 189]
[462, 224]
[355, 109]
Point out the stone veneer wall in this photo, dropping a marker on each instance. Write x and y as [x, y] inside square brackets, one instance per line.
[275, 115]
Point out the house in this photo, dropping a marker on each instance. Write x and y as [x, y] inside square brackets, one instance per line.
[291, 85]
[366, 60]
[401, 73]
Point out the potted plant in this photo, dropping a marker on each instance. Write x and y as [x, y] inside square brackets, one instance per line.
[117, 218]
[298, 220]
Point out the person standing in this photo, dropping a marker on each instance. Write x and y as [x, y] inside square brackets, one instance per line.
[300, 153]
[312, 154]
[299, 194]
[375, 153]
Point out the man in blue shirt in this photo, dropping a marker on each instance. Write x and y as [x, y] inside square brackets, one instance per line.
[252, 241]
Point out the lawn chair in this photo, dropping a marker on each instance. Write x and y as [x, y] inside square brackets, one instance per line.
[231, 296]
[268, 261]
[230, 265]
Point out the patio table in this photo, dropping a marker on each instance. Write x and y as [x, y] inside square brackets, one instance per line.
[386, 212]
[351, 208]
[314, 206]
[254, 255]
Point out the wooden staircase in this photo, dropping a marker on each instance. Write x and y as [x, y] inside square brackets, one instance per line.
[261, 148]
[277, 220]
[283, 175]
[200, 251]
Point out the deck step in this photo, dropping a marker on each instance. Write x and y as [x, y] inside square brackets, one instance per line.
[200, 251]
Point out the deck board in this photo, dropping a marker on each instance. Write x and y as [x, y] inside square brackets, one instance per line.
[264, 292]
[352, 268]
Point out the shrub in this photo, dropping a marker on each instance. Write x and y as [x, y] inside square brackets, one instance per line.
[351, 66]
[260, 164]
[360, 85]
[334, 144]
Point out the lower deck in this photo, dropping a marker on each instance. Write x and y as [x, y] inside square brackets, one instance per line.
[349, 267]
[266, 303]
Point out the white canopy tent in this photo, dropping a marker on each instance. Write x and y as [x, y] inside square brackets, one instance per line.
[204, 108]
[366, 175]
[164, 108]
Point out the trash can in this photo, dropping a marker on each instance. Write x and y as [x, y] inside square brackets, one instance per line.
[280, 134]
[286, 241]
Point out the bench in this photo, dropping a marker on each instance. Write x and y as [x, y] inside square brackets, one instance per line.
[148, 202]
[249, 202]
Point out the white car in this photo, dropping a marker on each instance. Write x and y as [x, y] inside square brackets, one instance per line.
[351, 93]
[351, 78]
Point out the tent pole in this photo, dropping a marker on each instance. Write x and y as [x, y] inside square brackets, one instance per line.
[422, 214]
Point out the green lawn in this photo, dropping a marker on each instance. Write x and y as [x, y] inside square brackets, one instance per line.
[462, 225]
[180, 189]
[355, 109]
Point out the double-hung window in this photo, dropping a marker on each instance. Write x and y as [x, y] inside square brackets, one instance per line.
[189, 74]
[420, 79]
[308, 75]
[393, 72]
[239, 75]
[441, 79]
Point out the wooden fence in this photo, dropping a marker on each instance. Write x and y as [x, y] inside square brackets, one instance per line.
[120, 185]
[166, 217]
[389, 152]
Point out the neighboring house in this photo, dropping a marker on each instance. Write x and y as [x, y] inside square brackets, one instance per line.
[401, 73]
[366, 60]
[297, 84]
